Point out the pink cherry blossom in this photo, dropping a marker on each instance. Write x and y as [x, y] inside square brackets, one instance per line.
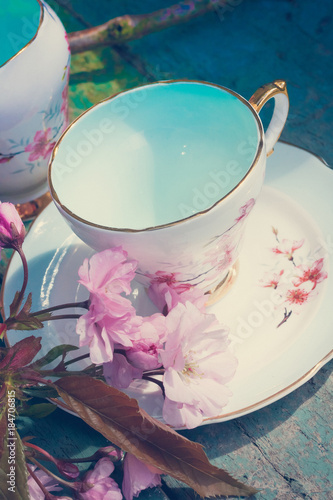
[101, 331]
[111, 319]
[48, 482]
[315, 274]
[120, 373]
[271, 280]
[97, 484]
[12, 231]
[106, 275]
[42, 145]
[287, 248]
[149, 340]
[138, 476]
[246, 209]
[197, 366]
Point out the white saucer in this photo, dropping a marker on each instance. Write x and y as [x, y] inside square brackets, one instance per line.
[273, 361]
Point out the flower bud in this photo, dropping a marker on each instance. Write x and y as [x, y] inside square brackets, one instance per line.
[115, 454]
[67, 469]
[12, 231]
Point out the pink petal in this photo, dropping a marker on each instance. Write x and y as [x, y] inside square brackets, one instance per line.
[181, 415]
[137, 477]
[120, 373]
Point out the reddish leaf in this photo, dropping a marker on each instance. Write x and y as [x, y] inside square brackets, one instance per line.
[27, 306]
[21, 353]
[119, 418]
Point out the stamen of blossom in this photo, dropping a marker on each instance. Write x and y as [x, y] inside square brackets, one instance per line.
[197, 366]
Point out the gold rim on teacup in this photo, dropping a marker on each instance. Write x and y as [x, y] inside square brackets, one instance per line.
[251, 107]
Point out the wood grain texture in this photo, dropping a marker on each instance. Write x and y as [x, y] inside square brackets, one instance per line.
[284, 449]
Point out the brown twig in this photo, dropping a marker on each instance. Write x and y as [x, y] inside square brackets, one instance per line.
[130, 27]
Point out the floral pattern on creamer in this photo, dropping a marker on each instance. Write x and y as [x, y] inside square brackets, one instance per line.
[295, 279]
[39, 145]
[216, 258]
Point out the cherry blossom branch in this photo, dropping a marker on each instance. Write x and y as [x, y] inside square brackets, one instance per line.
[40, 484]
[74, 485]
[83, 304]
[286, 316]
[79, 358]
[20, 296]
[64, 316]
[158, 382]
[130, 27]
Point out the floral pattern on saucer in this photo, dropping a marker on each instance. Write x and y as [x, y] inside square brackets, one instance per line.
[294, 277]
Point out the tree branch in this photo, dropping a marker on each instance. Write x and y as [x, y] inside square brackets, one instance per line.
[130, 27]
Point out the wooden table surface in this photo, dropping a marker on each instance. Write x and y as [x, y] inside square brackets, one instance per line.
[284, 449]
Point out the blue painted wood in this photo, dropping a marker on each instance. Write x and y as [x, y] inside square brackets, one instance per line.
[284, 449]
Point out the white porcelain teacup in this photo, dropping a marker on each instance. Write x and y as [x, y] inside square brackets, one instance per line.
[34, 67]
[169, 171]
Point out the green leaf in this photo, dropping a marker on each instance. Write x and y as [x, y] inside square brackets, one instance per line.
[119, 418]
[11, 448]
[40, 392]
[23, 322]
[53, 354]
[38, 410]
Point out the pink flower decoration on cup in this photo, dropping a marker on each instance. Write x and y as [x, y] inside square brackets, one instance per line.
[197, 366]
[246, 209]
[165, 297]
[170, 279]
[42, 145]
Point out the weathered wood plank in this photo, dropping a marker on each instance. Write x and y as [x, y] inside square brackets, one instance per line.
[286, 448]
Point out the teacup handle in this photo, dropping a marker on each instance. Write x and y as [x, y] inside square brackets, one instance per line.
[278, 90]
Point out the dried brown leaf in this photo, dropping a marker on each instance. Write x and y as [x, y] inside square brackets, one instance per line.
[119, 418]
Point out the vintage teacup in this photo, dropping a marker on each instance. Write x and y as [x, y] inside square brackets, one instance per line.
[169, 171]
[34, 66]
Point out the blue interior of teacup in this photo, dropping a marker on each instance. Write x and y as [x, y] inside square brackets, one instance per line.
[155, 155]
[19, 21]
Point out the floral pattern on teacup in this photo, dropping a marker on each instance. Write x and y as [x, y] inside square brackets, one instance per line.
[216, 258]
[293, 276]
